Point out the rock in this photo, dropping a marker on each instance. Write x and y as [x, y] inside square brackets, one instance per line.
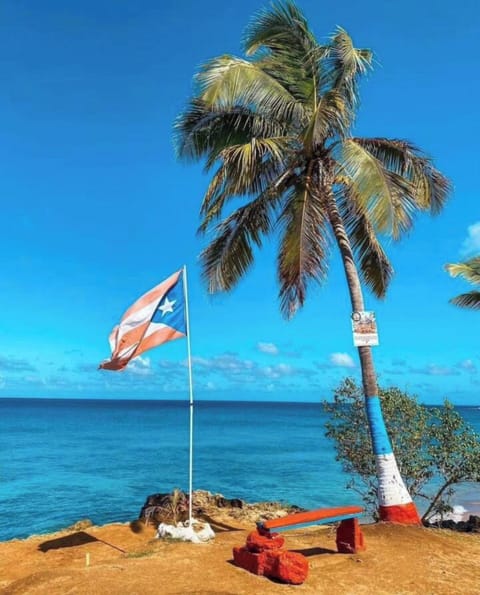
[474, 523]
[470, 526]
[165, 508]
[236, 503]
[287, 567]
[80, 525]
[350, 538]
[222, 502]
[158, 508]
[448, 525]
[261, 543]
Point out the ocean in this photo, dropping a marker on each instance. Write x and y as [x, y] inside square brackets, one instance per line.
[65, 460]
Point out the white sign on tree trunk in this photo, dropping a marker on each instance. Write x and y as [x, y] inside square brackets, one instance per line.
[364, 327]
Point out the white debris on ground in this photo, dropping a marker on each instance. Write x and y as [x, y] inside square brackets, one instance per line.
[197, 532]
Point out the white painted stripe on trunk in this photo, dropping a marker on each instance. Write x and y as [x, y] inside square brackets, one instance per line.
[391, 489]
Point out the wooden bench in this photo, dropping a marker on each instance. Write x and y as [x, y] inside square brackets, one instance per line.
[349, 535]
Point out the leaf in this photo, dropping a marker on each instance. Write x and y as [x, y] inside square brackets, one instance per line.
[469, 270]
[203, 131]
[374, 265]
[469, 300]
[232, 82]
[251, 168]
[430, 189]
[230, 254]
[384, 196]
[282, 44]
[344, 64]
[304, 246]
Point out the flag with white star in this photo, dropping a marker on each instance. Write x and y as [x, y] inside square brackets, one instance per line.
[156, 317]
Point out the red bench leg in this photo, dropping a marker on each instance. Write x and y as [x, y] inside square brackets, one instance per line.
[350, 537]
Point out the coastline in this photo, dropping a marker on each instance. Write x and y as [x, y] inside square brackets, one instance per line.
[118, 559]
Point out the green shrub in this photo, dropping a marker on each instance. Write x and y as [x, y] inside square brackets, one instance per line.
[435, 447]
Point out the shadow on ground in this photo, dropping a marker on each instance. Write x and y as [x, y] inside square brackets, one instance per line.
[73, 540]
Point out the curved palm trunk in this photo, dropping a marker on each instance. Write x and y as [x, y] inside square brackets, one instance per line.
[395, 503]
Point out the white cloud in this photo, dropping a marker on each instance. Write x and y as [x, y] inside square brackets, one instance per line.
[278, 371]
[468, 365]
[269, 348]
[224, 363]
[141, 366]
[342, 360]
[471, 244]
[435, 370]
[236, 370]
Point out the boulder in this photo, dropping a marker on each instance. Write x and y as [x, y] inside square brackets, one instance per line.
[165, 508]
[261, 543]
[287, 567]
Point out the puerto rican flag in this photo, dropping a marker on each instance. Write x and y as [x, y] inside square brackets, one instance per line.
[155, 318]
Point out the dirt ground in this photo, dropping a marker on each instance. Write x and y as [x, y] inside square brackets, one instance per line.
[124, 559]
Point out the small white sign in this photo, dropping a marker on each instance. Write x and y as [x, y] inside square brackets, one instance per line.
[364, 327]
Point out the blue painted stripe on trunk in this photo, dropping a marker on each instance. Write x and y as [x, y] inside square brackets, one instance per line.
[378, 431]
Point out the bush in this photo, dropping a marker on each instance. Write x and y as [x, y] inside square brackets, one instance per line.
[435, 447]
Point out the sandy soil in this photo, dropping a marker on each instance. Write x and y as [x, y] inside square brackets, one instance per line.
[128, 560]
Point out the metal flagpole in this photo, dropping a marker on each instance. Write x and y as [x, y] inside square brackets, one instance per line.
[190, 460]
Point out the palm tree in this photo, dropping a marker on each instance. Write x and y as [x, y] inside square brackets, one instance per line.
[469, 270]
[276, 127]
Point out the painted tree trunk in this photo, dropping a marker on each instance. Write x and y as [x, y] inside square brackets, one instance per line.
[395, 503]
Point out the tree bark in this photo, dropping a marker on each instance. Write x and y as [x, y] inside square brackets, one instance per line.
[369, 378]
[395, 503]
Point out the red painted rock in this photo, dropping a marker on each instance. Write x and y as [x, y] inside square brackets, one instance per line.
[288, 567]
[262, 543]
[350, 537]
[254, 563]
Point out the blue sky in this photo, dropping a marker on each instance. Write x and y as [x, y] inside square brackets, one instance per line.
[96, 209]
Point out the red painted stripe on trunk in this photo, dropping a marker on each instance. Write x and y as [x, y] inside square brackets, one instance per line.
[403, 514]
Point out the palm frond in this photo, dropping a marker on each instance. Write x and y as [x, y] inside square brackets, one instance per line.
[344, 64]
[280, 27]
[230, 254]
[247, 169]
[304, 247]
[429, 187]
[384, 196]
[203, 131]
[282, 44]
[231, 82]
[375, 267]
[331, 118]
[469, 270]
[469, 300]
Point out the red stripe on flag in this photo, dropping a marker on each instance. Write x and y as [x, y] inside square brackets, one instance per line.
[130, 338]
[157, 338]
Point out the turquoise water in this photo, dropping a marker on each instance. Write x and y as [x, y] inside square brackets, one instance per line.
[63, 460]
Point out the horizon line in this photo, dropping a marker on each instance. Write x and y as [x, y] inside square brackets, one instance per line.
[202, 400]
